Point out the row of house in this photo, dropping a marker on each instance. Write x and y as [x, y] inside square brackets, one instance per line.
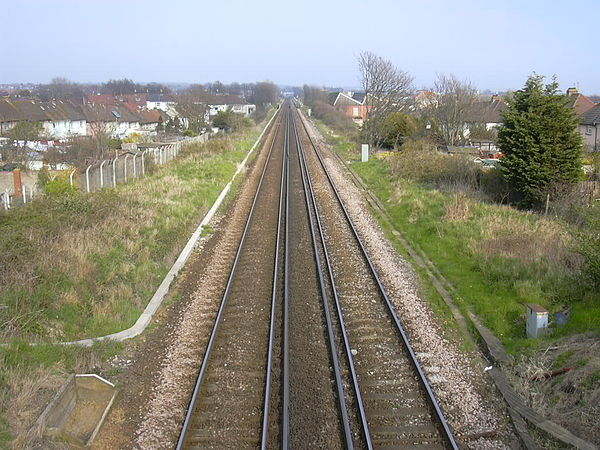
[61, 120]
[117, 115]
[486, 113]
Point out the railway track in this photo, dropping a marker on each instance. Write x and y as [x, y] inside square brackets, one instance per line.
[307, 350]
[227, 404]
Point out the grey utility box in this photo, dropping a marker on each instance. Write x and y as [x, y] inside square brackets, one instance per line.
[537, 320]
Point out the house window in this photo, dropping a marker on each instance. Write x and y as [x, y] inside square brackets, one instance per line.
[588, 130]
[355, 112]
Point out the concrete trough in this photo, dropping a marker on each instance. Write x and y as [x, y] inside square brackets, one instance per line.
[78, 409]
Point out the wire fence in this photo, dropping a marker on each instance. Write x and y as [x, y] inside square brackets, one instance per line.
[106, 173]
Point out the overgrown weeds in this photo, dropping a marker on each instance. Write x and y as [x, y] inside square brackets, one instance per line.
[77, 265]
[499, 258]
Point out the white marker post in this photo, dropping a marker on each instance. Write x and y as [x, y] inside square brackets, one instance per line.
[365, 152]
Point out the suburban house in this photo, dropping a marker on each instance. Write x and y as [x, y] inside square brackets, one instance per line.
[59, 119]
[116, 121]
[589, 127]
[486, 113]
[118, 116]
[352, 104]
[66, 120]
[224, 102]
[424, 99]
[151, 120]
[159, 101]
[579, 102]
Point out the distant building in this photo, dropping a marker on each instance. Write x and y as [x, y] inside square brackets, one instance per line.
[224, 102]
[59, 119]
[486, 113]
[116, 121]
[351, 104]
[579, 102]
[159, 101]
[589, 127]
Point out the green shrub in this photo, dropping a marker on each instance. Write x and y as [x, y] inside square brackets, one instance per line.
[58, 186]
[588, 243]
[420, 161]
[332, 117]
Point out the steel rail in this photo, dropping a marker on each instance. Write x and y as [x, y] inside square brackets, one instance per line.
[274, 297]
[285, 410]
[330, 333]
[218, 319]
[447, 432]
[347, 347]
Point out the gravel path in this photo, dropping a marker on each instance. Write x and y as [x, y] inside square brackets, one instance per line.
[457, 380]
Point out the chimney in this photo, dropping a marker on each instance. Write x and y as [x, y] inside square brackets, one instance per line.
[572, 91]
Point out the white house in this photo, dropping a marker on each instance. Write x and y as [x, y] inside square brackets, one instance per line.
[116, 121]
[159, 101]
[65, 120]
[224, 102]
[59, 120]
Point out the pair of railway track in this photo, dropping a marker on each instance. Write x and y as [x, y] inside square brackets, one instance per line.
[306, 349]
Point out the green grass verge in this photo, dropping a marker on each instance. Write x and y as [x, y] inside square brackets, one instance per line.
[495, 287]
[82, 265]
[85, 265]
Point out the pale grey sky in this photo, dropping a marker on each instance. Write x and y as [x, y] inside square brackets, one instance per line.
[494, 44]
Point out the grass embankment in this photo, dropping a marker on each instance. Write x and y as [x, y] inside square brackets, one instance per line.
[498, 258]
[83, 265]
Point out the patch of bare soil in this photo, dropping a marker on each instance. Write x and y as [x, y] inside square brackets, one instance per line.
[562, 383]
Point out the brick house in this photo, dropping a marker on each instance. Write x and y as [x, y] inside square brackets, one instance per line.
[352, 104]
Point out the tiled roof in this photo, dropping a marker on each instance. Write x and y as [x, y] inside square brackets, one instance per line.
[580, 103]
[104, 113]
[591, 116]
[486, 112]
[359, 97]
[38, 111]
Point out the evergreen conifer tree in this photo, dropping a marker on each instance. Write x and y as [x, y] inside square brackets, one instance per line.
[539, 140]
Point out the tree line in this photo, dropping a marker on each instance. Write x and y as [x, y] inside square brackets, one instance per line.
[538, 135]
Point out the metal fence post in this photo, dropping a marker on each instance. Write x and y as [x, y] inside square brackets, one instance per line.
[6, 199]
[24, 192]
[71, 177]
[114, 171]
[102, 174]
[87, 179]
[134, 169]
[143, 167]
[30, 192]
[125, 169]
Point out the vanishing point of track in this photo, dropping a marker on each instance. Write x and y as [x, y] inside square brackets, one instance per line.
[307, 350]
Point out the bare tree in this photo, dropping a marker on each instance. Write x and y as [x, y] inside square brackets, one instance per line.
[451, 107]
[314, 94]
[264, 93]
[387, 89]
